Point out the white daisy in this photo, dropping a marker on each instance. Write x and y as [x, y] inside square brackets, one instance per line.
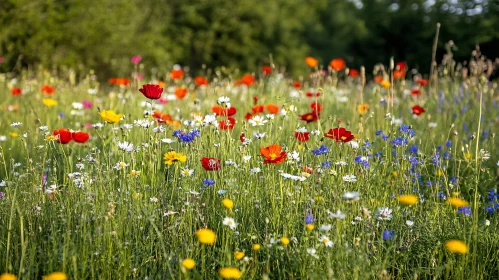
[230, 222]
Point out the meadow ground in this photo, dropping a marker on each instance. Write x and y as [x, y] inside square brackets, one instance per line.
[256, 176]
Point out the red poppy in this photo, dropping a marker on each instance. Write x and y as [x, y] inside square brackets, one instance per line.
[201, 81]
[119, 81]
[417, 110]
[266, 70]
[151, 91]
[162, 117]
[338, 64]
[248, 116]
[273, 154]
[242, 137]
[313, 94]
[257, 109]
[272, 108]
[398, 74]
[316, 106]
[310, 117]
[415, 92]
[353, 73]
[80, 137]
[180, 92]
[340, 135]
[227, 125]
[16, 91]
[311, 62]
[378, 79]
[422, 82]
[302, 136]
[63, 135]
[247, 79]
[400, 66]
[255, 99]
[210, 164]
[47, 89]
[177, 74]
[221, 111]
[297, 85]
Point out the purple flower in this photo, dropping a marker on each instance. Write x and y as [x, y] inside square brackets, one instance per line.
[465, 210]
[388, 234]
[136, 59]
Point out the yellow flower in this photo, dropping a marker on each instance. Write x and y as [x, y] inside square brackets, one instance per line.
[284, 241]
[49, 102]
[50, 138]
[206, 236]
[229, 204]
[256, 247]
[456, 246]
[457, 202]
[13, 134]
[467, 155]
[363, 108]
[238, 255]
[385, 84]
[56, 276]
[134, 173]
[440, 173]
[188, 263]
[172, 157]
[8, 276]
[408, 199]
[110, 116]
[230, 273]
[309, 227]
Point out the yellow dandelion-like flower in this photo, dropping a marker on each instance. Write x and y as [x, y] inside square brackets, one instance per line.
[385, 84]
[206, 236]
[56, 276]
[309, 227]
[256, 247]
[172, 157]
[363, 108]
[284, 241]
[228, 203]
[230, 273]
[238, 255]
[188, 263]
[13, 134]
[49, 102]
[456, 246]
[8, 276]
[457, 202]
[408, 199]
[110, 116]
[50, 137]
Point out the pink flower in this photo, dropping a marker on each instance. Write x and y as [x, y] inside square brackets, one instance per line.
[136, 59]
[87, 104]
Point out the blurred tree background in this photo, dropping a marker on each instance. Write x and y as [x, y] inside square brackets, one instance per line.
[104, 34]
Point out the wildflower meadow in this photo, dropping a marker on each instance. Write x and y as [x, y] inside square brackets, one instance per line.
[343, 173]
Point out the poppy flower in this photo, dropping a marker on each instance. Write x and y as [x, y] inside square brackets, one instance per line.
[316, 106]
[311, 62]
[16, 91]
[422, 82]
[221, 111]
[80, 137]
[47, 89]
[161, 117]
[248, 116]
[338, 64]
[310, 117]
[415, 91]
[201, 81]
[247, 79]
[297, 84]
[257, 109]
[242, 137]
[266, 70]
[119, 81]
[363, 108]
[272, 108]
[255, 99]
[210, 164]
[378, 79]
[398, 74]
[302, 135]
[180, 92]
[417, 110]
[340, 135]
[151, 91]
[227, 125]
[177, 74]
[353, 73]
[313, 94]
[273, 154]
[63, 135]
[400, 66]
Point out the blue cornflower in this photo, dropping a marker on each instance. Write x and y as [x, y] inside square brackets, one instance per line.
[384, 137]
[378, 154]
[448, 144]
[367, 144]
[208, 182]
[413, 149]
[326, 164]
[465, 210]
[321, 150]
[399, 141]
[446, 155]
[379, 132]
[439, 147]
[309, 219]
[388, 234]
